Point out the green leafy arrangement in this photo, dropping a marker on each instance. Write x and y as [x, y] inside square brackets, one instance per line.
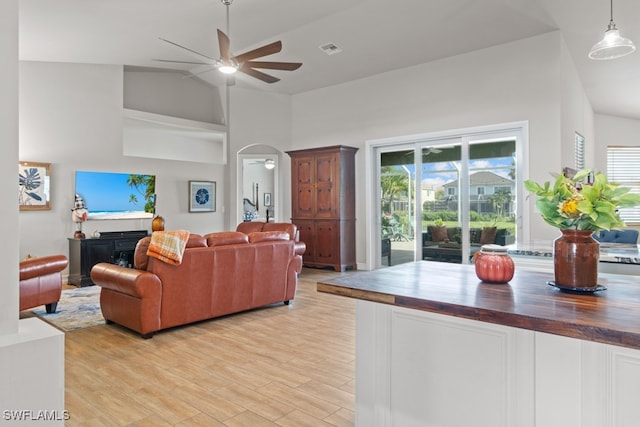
[574, 204]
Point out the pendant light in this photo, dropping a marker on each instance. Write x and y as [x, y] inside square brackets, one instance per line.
[613, 45]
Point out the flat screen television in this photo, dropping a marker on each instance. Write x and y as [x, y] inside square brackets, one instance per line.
[112, 195]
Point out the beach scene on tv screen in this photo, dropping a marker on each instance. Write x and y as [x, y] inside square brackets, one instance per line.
[112, 195]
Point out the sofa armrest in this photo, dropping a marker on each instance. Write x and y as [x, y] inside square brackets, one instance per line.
[137, 283]
[299, 248]
[42, 266]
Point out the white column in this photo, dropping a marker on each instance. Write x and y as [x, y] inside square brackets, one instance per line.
[31, 351]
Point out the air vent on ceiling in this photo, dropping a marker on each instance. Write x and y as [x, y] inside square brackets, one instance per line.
[330, 48]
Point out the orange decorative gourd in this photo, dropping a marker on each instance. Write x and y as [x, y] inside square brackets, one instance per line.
[157, 224]
[494, 265]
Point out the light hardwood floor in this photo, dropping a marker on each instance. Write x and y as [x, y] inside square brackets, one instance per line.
[278, 366]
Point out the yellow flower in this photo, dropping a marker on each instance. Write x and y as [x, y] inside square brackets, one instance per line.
[587, 201]
[569, 208]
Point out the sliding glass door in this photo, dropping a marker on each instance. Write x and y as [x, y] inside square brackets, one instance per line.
[397, 179]
[441, 199]
[443, 189]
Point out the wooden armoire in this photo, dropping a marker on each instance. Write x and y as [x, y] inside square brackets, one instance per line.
[323, 205]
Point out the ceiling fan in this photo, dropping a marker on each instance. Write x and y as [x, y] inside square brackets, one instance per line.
[244, 62]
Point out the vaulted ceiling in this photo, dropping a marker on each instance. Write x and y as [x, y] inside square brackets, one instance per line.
[375, 36]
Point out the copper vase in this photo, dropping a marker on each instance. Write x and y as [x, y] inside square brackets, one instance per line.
[157, 224]
[575, 259]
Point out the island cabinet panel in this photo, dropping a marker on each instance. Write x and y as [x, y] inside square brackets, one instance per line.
[426, 369]
[436, 346]
[323, 205]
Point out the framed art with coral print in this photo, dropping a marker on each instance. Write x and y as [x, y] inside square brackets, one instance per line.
[34, 186]
[202, 196]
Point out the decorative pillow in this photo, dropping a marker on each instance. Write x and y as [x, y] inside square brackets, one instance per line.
[266, 236]
[168, 246]
[226, 238]
[488, 235]
[438, 234]
[140, 257]
[474, 235]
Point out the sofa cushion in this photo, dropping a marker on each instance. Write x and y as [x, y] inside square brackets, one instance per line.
[250, 227]
[265, 236]
[438, 234]
[140, 257]
[617, 236]
[226, 238]
[474, 235]
[488, 235]
[282, 226]
[196, 241]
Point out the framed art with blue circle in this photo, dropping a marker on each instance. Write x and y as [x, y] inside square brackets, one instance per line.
[202, 196]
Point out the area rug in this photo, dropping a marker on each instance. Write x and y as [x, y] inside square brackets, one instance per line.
[78, 308]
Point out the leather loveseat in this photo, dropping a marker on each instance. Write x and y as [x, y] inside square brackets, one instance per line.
[219, 274]
[41, 281]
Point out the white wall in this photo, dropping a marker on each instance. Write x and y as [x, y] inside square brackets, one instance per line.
[71, 117]
[576, 113]
[170, 94]
[611, 130]
[262, 118]
[8, 162]
[507, 83]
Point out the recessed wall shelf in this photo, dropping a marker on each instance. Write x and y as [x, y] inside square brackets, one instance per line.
[157, 136]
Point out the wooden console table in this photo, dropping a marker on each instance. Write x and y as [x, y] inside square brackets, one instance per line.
[109, 247]
[436, 346]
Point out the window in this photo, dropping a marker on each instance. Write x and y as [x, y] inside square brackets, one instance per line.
[461, 170]
[579, 151]
[622, 168]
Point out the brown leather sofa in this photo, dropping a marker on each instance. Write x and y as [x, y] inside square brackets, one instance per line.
[220, 273]
[41, 282]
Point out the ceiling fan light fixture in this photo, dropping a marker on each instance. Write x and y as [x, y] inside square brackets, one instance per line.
[228, 67]
[269, 164]
[613, 45]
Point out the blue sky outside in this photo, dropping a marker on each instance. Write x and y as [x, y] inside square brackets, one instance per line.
[108, 192]
[435, 175]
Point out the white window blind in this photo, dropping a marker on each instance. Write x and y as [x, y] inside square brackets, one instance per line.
[623, 167]
[579, 151]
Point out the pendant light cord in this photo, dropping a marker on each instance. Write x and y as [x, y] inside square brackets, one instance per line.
[610, 21]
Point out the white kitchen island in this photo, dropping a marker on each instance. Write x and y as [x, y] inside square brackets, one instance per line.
[435, 346]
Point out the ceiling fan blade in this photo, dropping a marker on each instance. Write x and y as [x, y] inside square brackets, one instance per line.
[189, 50]
[258, 75]
[268, 49]
[223, 44]
[287, 66]
[182, 62]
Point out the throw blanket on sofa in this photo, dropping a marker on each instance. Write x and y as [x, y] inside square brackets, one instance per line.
[168, 246]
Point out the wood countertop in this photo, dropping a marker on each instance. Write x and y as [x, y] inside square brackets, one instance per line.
[611, 316]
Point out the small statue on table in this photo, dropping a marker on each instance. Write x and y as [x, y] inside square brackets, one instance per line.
[79, 214]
